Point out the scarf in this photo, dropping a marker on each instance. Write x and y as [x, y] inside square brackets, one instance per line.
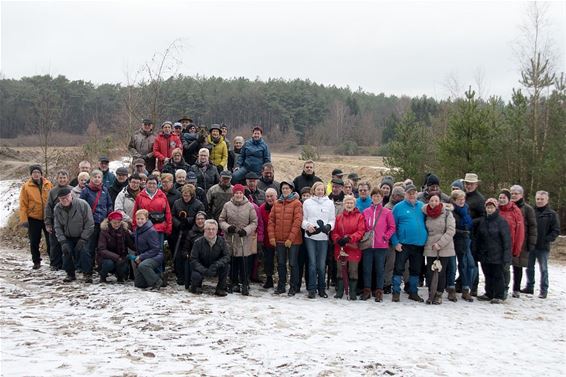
[150, 194]
[434, 212]
[215, 140]
[133, 193]
[94, 187]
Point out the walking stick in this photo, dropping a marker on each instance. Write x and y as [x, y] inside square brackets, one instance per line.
[232, 263]
[177, 244]
[244, 264]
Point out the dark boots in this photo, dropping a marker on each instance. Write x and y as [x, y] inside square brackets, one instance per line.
[340, 289]
[268, 282]
[353, 288]
[452, 295]
[378, 295]
[366, 294]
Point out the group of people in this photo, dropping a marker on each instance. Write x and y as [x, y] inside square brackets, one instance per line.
[207, 209]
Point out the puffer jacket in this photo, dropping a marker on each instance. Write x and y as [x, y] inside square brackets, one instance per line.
[52, 201]
[216, 197]
[147, 243]
[530, 221]
[243, 216]
[493, 240]
[125, 204]
[113, 243]
[159, 205]
[385, 227]
[441, 231]
[514, 217]
[141, 144]
[203, 255]
[163, 147]
[219, 152]
[104, 205]
[77, 222]
[254, 154]
[285, 220]
[207, 176]
[33, 199]
[349, 224]
[318, 208]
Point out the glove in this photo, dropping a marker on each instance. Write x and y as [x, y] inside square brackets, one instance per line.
[25, 225]
[80, 244]
[324, 228]
[231, 229]
[131, 257]
[317, 231]
[343, 241]
[288, 243]
[242, 233]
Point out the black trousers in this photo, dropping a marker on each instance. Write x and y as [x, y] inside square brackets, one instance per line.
[240, 273]
[34, 232]
[268, 260]
[494, 280]
[222, 273]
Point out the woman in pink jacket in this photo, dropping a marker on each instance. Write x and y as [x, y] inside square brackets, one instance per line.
[381, 220]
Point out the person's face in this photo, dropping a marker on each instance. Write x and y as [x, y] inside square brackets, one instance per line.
[337, 189]
[252, 184]
[225, 181]
[349, 204]
[134, 184]
[238, 196]
[386, 190]
[433, 188]
[376, 198]
[348, 189]
[192, 129]
[151, 186]
[143, 182]
[203, 158]
[503, 200]
[319, 191]
[256, 135]
[178, 130]
[122, 178]
[308, 168]
[286, 190]
[141, 219]
[84, 168]
[490, 209]
[96, 179]
[83, 181]
[215, 133]
[186, 196]
[115, 223]
[267, 173]
[411, 196]
[397, 198]
[238, 144]
[460, 201]
[147, 127]
[66, 200]
[224, 131]
[270, 197]
[199, 220]
[541, 200]
[185, 123]
[433, 201]
[140, 168]
[363, 190]
[516, 196]
[181, 179]
[305, 196]
[167, 185]
[177, 157]
[470, 187]
[103, 165]
[62, 180]
[166, 129]
[210, 231]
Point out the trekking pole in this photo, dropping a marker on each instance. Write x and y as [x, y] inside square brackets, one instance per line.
[244, 264]
[232, 264]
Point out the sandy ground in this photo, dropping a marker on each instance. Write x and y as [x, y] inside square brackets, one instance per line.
[49, 328]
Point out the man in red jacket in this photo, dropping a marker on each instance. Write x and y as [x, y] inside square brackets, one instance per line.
[164, 144]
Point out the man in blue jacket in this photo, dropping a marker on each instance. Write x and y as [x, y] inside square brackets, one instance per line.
[408, 240]
[253, 155]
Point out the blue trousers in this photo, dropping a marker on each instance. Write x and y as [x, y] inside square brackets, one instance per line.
[316, 251]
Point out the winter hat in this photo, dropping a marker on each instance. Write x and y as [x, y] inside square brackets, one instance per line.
[122, 171]
[506, 192]
[432, 180]
[337, 172]
[191, 176]
[337, 181]
[63, 192]
[459, 184]
[147, 121]
[34, 168]
[288, 184]
[410, 188]
[387, 180]
[491, 201]
[177, 125]
[237, 188]
[215, 127]
[115, 215]
[165, 123]
[226, 174]
[398, 190]
[103, 159]
[139, 162]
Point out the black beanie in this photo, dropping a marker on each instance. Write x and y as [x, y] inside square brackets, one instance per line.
[506, 192]
[432, 180]
[35, 167]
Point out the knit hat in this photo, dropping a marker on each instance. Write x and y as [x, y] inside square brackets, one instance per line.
[115, 215]
[177, 125]
[165, 123]
[410, 188]
[458, 183]
[491, 201]
[237, 188]
[288, 184]
[33, 168]
[387, 180]
[506, 192]
[432, 180]
[191, 176]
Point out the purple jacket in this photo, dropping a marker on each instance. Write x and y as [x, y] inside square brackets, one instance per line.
[147, 243]
[384, 228]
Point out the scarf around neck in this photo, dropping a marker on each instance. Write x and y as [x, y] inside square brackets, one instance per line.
[434, 212]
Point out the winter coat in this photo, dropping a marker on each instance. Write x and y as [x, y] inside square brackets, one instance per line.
[409, 223]
[219, 152]
[157, 205]
[108, 179]
[192, 236]
[254, 154]
[147, 243]
[441, 231]
[243, 216]
[52, 201]
[216, 197]
[115, 189]
[261, 227]
[33, 199]
[285, 220]
[184, 213]
[476, 202]
[104, 205]
[548, 227]
[172, 166]
[362, 205]
[76, 191]
[113, 243]
[76, 222]
[203, 255]
[191, 146]
[263, 185]
[265, 210]
[305, 180]
[492, 240]
[318, 208]
[514, 217]
[141, 144]
[172, 196]
[125, 204]
[258, 196]
[338, 202]
[206, 176]
[350, 224]
[385, 227]
[530, 221]
[163, 147]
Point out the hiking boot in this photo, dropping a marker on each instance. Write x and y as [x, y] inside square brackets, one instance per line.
[415, 297]
[378, 295]
[245, 290]
[36, 266]
[291, 292]
[88, 277]
[395, 297]
[196, 290]
[164, 279]
[529, 291]
[466, 296]
[339, 289]
[279, 290]
[157, 285]
[322, 293]
[407, 289]
[542, 295]
[312, 294]
[515, 294]
[366, 294]
[505, 294]
[353, 290]
[438, 298]
[496, 301]
[268, 283]
[474, 293]
[387, 290]
[452, 295]
[220, 292]
[236, 288]
[69, 278]
[103, 280]
[484, 297]
[120, 279]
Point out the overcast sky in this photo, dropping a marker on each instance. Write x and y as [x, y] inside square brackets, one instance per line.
[410, 48]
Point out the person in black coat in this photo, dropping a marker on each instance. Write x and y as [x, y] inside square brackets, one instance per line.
[210, 257]
[119, 184]
[476, 205]
[195, 233]
[307, 177]
[177, 162]
[493, 248]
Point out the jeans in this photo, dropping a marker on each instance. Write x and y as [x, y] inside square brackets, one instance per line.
[494, 280]
[374, 258]
[145, 275]
[293, 254]
[451, 268]
[542, 257]
[517, 277]
[56, 254]
[414, 254]
[35, 227]
[120, 269]
[238, 175]
[316, 251]
[78, 257]
[467, 269]
[92, 244]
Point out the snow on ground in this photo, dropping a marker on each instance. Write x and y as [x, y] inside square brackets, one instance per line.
[9, 199]
[115, 164]
[49, 328]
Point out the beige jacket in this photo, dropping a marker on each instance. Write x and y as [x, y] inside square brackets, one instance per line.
[440, 231]
[243, 216]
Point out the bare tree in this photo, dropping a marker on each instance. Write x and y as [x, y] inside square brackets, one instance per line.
[47, 112]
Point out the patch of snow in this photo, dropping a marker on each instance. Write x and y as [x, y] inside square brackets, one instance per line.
[51, 328]
[115, 164]
[9, 199]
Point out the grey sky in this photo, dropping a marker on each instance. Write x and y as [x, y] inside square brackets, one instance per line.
[391, 47]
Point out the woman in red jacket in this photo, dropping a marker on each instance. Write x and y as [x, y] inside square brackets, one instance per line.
[349, 229]
[164, 144]
[514, 217]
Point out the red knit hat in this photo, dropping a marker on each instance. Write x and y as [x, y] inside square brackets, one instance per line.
[237, 188]
[115, 215]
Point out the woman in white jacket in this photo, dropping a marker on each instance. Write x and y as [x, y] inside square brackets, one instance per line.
[318, 220]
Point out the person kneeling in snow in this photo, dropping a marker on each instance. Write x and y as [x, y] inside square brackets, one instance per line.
[149, 253]
[210, 257]
[113, 247]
